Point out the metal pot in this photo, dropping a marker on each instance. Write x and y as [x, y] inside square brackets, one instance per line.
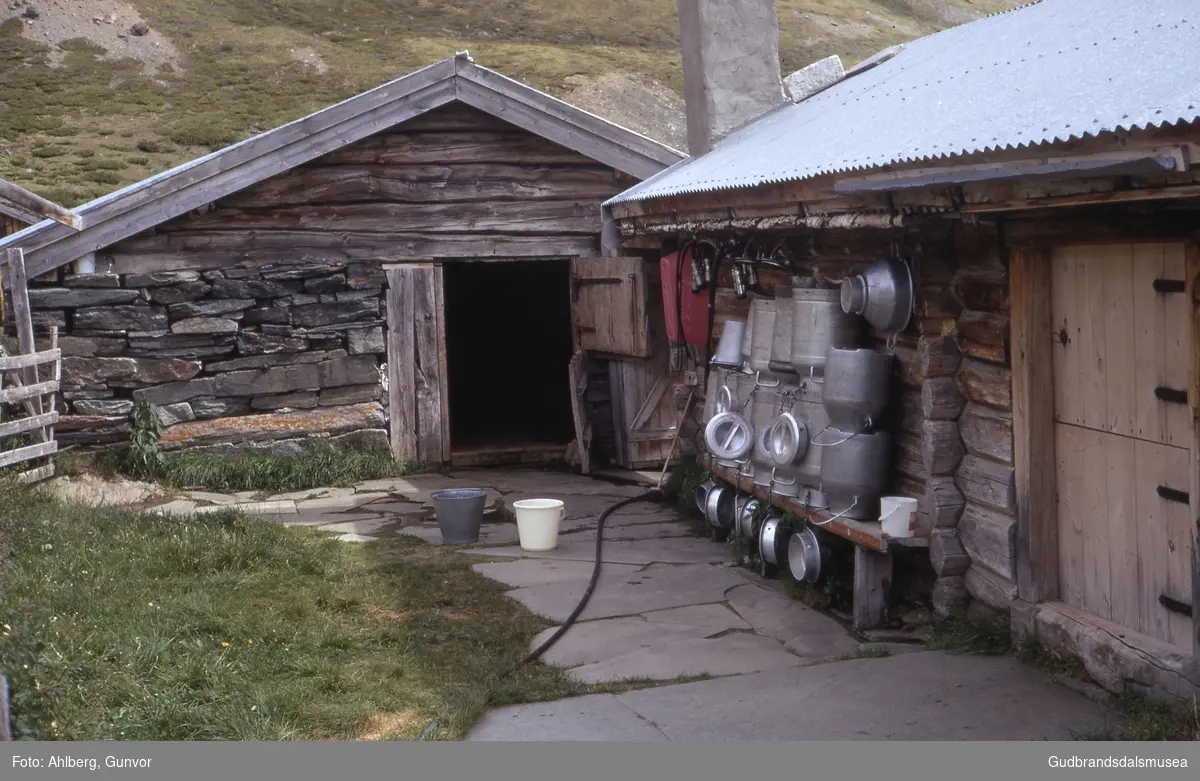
[729, 347]
[819, 323]
[719, 507]
[854, 472]
[804, 556]
[773, 541]
[809, 409]
[883, 295]
[745, 517]
[729, 436]
[786, 439]
[702, 492]
[856, 387]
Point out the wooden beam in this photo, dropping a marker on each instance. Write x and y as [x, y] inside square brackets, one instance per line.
[1085, 199]
[1033, 425]
[10, 362]
[27, 453]
[872, 585]
[1192, 279]
[21, 425]
[36, 204]
[1098, 228]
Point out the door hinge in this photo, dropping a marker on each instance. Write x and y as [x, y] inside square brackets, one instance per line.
[1174, 495]
[1175, 606]
[1169, 286]
[1171, 395]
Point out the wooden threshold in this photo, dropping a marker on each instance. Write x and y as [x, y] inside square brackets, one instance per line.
[868, 535]
[507, 455]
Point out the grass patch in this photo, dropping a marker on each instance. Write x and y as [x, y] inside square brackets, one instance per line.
[134, 626]
[1147, 719]
[972, 633]
[681, 484]
[317, 468]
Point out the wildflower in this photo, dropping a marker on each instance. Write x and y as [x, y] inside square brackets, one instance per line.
[150, 604]
[249, 642]
[224, 643]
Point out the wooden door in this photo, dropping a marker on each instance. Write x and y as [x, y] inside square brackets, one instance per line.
[1122, 435]
[577, 372]
[419, 409]
[609, 306]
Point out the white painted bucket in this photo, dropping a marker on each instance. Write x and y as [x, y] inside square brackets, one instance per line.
[537, 523]
[898, 514]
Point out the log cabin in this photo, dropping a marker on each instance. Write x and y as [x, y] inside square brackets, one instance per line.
[1038, 172]
[415, 268]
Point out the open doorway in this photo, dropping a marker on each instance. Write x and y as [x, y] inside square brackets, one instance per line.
[508, 347]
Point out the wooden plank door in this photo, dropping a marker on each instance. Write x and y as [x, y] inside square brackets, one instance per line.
[1122, 431]
[418, 403]
[577, 372]
[609, 306]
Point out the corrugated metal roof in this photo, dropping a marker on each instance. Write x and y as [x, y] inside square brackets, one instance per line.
[1048, 72]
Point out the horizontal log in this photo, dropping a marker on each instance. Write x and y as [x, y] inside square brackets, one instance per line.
[950, 596]
[986, 384]
[447, 148]
[937, 303]
[912, 416]
[941, 448]
[988, 483]
[987, 432]
[8, 428]
[984, 335]
[939, 356]
[942, 502]
[546, 217]
[426, 184]
[456, 116]
[265, 249]
[7, 458]
[908, 367]
[989, 588]
[946, 553]
[941, 399]
[990, 539]
[982, 290]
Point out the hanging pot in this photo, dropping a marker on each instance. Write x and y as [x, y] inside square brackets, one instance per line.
[773, 541]
[762, 315]
[702, 492]
[883, 295]
[726, 399]
[819, 323]
[856, 387]
[729, 436]
[720, 505]
[804, 556]
[745, 517]
[729, 347]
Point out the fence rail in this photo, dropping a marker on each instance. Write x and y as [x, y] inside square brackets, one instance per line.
[29, 383]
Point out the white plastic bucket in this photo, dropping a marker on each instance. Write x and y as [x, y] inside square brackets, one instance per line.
[898, 515]
[537, 523]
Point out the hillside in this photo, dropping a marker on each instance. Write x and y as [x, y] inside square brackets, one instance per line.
[96, 94]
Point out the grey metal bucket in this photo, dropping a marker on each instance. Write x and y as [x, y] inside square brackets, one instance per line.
[459, 514]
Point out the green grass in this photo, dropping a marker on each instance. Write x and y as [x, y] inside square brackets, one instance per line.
[1150, 720]
[133, 626]
[973, 633]
[317, 468]
[237, 73]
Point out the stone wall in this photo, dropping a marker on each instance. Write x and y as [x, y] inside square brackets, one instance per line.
[289, 351]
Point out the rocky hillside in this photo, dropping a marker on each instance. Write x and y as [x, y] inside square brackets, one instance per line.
[96, 94]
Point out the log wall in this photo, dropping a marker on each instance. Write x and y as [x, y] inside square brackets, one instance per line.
[258, 320]
[950, 420]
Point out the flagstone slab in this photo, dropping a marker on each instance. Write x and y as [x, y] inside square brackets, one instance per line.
[806, 631]
[211, 497]
[676, 550]
[653, 588]
[356, 538]
[340, 502]
[733, 654]
[312, 493]
[538, 572]
[592, 642]
[707, 619]
[176, 507]
[643, 531]
[488, 533]
[377, 526]
[317, 518]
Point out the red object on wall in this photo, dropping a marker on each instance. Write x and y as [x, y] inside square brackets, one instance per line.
[694, 305]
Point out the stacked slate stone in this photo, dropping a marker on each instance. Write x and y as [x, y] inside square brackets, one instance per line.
[238, 358]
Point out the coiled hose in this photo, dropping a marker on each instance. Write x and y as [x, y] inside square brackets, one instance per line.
[650, 496]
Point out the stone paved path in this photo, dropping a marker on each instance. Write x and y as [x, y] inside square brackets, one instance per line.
[671, 604]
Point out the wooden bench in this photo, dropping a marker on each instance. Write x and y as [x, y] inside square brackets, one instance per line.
[872, 548]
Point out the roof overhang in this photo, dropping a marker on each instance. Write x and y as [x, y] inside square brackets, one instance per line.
[31, 208]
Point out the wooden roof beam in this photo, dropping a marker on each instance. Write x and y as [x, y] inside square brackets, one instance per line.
[35, 204]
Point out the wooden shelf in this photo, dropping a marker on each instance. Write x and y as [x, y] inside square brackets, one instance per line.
[868, 535]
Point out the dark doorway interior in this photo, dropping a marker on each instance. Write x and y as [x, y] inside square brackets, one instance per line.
[508, 346]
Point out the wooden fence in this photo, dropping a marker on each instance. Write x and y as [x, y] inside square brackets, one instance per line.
[27, 390]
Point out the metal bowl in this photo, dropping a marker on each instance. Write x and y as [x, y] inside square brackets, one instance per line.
[745, 517]
[773, 541]
[719, 508]
[804, 556]
[702, 492]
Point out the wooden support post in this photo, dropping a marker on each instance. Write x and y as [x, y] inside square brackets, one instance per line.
[23, 320]
[5, 712]
[1192, 280]
[872, 584]
[1033, 425]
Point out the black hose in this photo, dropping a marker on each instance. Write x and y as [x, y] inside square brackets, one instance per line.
[649, 496]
